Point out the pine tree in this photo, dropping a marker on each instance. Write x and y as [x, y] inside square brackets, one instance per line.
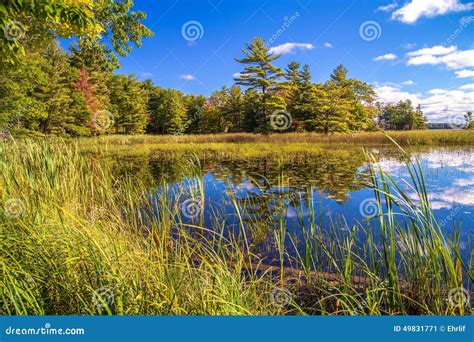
[303, 95]
[291, 88]
[329, 108]
[251, 109]
[66, 110]
[128, 104]
[419, 119]
[233, 109]
[360, 94]
[339, 75]
[167, 112]
[261, 75]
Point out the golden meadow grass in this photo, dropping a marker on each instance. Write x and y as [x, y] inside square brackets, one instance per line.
[77, 240]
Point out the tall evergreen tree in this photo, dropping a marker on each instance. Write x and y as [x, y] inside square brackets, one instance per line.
[302, 97]
[261, 75]
[233, 109]
[128, 104]
[329, 108]
[167, 112]
[251, 109]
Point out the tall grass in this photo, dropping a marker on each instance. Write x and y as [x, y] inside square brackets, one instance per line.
[84, 242]
[404, 138]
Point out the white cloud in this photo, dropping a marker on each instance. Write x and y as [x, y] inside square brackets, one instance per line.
[437, 91]
[391, 94]
[386, 57]
[458, 59]
[290, 48]
[450, 56]
[409, 82]
[433, 51]
[467, 87]
[187, 77]
[465, 73]
[437, 104]
[420, 60]
[236, 75]
[416, 9]
[409, 46]
[146, 75]
[328, 45]
[388, 8]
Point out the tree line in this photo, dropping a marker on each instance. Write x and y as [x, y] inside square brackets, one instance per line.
[45, 89]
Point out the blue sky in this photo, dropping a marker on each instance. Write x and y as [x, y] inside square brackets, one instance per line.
[417, 49]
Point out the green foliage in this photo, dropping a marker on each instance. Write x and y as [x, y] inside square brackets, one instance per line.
[261, 75]
[40, 96]
[233, 109]
[128, 104]
[121, 27]
[59, 93]
[33, 24]
[469, 120]
[402, 116]
[330, 109]
[167, 112]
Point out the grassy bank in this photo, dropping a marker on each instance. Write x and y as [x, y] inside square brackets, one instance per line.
[76, 240]
[404, 138]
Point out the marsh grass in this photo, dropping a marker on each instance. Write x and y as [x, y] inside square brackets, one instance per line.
[83, 233]
[286, 140]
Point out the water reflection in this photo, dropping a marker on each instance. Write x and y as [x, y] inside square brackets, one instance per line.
[267, 191]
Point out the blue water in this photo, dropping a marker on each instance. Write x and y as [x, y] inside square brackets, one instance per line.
[343, 202]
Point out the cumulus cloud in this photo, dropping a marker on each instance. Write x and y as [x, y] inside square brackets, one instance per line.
[467, 87]
[412, 11]
[409, 82]
[437, 104]
[290, 48]
[328, 45]
[433, 51]
[386, 57]
[450, 56]
[388, 8]
[465, 73]
[187, 77]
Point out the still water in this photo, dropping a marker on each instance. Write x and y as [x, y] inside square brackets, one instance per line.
[330, 187]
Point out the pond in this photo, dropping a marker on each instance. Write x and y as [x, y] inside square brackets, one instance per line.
[329, 188]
